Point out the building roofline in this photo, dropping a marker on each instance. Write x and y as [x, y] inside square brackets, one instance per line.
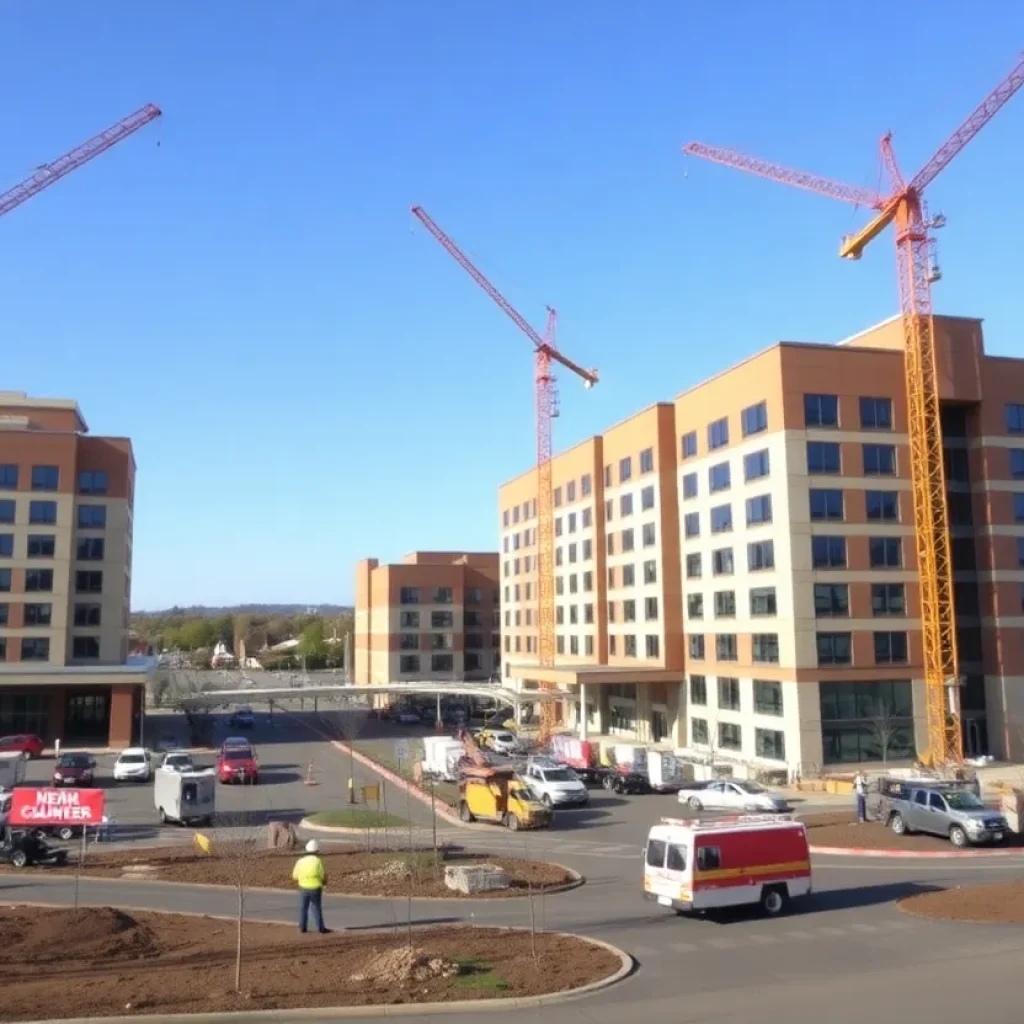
[21, 400]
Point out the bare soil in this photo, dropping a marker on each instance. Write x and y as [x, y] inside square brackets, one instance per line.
[350, 871]
[840, 828]
[102, 962]
[1000, 903]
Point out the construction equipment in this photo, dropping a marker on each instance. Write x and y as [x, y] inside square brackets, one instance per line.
[496, 794]
[904, 206]
[47, 174]
[545, 353]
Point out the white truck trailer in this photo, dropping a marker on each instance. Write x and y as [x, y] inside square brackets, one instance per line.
[12, 770]
[185, 797]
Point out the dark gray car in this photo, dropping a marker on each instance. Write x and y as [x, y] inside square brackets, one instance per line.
[954, 812]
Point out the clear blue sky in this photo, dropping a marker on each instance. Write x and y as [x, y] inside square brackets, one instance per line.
[309, 379]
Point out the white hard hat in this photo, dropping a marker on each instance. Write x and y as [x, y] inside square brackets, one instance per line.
[312, 846]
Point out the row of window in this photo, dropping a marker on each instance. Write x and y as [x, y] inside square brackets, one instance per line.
[629, 610]
[767, 695]
[626, 504]
[586, 489]
[830, 552]
[43, 545]
[829, 505]
[442, 641]
[832, 600]
[769, 744]
[410, 664]
[758, 513]
[37, 648]
[571, 551]
[760, 556]
[42, 614]
[444, 595]
[627, 539]
[445, 620]
[765, 647]
[762, 603]
[47, 478]
[645, 462]
[625, 575]
[87, 581]
[90, 517]
[826, 457]
[833, 648]
[823, 411]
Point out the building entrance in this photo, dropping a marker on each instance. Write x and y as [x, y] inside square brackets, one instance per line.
[87, 718]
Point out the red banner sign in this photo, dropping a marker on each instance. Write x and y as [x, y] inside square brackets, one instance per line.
[50, 806]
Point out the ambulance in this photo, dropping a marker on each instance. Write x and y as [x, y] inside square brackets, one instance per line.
[695, 865]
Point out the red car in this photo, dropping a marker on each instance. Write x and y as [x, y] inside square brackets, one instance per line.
[74, 770]
[25, 743]
[236, 762]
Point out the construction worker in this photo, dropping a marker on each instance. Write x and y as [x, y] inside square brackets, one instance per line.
[861, 792]
[309, 875]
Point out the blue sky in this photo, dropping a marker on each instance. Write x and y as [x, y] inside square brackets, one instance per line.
[308, 378]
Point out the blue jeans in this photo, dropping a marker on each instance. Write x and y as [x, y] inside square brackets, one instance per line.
[862, 807]
[311, 898]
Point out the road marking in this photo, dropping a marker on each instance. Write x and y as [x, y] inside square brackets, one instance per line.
[684, 947]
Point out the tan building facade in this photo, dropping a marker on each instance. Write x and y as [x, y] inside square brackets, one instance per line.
[433, 616]
[753, 559]
[66, 506]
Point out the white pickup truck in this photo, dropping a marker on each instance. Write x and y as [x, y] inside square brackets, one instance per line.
[554, 784]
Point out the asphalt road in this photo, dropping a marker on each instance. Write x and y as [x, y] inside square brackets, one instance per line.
[845, 954]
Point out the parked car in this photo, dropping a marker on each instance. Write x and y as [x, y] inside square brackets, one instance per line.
[74, 770]
[554, 785]
[167, 742]
[941, 809]
[242, 718]
[406, 716]
[237, 763]
[25, 743]
[22, 847]
[132, 765]
[178, 761]
[731, 795]
[501, 741]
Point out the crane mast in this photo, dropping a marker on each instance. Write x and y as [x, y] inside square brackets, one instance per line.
[904, 207]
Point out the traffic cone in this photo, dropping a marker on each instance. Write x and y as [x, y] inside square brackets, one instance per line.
[309, 780]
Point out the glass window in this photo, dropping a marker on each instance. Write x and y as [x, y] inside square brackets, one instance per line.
[42, 513]
[45, 478]
[885, 552]
[443, 595]
[409, 595]
[823, 457]
[39, 580]
[718, 434]
[41, 545]
[651, 571]
[7, 509]
[890, 647]
[8, 477]
[90, 549]
[92, 481]
[1018, 507]
[756, 465]
[721, 562]
[765, 648]
[876, 414]
[759, 510]
[728, 694]
[627, 540]
[625, 469]
[879, 459]
[6, 545]
[821, 410]
[1014, 418]
[721, 518]
[690, 486]
[834, 649]
[556, 496]
[695, 606]
[586, 485]
[882, 505]
[652, 645]
[647, 460]
[693, 567]
[767, 697]
[761, 555]
[867, 721]
[689, 444]
[831, 599]
[39, 614]
[725, 647]
[718, 477]
[698, 690]
[691, 524]
[656, 853]
[5, 581]
[754, 419]
[729, 738]
[88, 581]
[85, 647]
[828, 552]
[826, 504]
[570, 492]
[770, 744]
[1016, 463]
[35, 648]
[647, 498]
[888, 599]
[648, 535]
[650, 609]
[762, 601]
[629, 611]
[696, 646]
[725, 604]
[625, 505]
[699, 731]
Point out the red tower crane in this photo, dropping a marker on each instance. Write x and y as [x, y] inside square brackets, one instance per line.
[47, 174]
[545, 353]
[904, 206]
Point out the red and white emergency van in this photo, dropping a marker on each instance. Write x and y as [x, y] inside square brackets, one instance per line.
[698, 865]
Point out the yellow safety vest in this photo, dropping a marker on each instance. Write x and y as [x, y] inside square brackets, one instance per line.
[309, 872]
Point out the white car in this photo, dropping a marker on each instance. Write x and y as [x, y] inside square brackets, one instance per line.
[178, 761]
[555, 785]
[503, 742]
[132, 765]
[730, 795]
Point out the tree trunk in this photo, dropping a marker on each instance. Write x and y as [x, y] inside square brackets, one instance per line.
[238, 939]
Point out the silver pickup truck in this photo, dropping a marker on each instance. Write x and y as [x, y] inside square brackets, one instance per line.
[941, 809]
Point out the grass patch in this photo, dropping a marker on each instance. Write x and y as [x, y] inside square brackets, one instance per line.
[356, 817]
[478, 976]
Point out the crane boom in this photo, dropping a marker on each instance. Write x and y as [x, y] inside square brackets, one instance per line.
[47, 174]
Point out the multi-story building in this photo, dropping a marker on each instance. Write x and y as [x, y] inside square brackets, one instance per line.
[432, 616]
[754, 563]
[65, 577]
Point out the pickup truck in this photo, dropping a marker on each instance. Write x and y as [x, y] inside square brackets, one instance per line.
[941, 809]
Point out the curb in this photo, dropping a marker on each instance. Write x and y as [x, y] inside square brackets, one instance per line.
[857, 851]
[326, 1013]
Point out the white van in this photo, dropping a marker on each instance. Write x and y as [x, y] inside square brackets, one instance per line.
[185, 797]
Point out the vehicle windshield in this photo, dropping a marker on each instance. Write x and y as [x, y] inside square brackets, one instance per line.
[177, 759]
[750, 787]
[9, 741]
[961, 800]
[559, 775]
[238, 754]
[73, 761]
[132, 758]
[504, 737]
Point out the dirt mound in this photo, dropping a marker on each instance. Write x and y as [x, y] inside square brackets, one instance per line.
[398, 967]
[96, 933]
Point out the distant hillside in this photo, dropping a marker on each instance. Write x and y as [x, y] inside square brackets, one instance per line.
[205, 611]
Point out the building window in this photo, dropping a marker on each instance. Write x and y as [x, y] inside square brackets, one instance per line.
[725, 604]
[92, 481]
[647, 498]
[696, 646]
[1014, 418]
[574, 645]
[629, 645]
[689, 444]
[885, 552]
[718, 477]
[38, 614]
[625, 469]
[588, 578]
[650, 571]
[725, 647]
[38, 580]
[756, 465]
[754, 419]
[693, 567]
[834, 649]
[45, 478]
[728, 694]
[443, 595]
[571, 522]
[828, 552]
[443, 662]
[35, 648]
[42, 513]
[770, 744]
[608, 475]
[443, 641]
[629, 611]
[648, 535]
[826, 504]
[7, 509]
[821, 410]
[761, 555]
[574, 614]
[721, 562]
[652, 646]
[441, 620]
[588, 646]
[572, 583]
[647, 460]
[890, 648]
[559, 616]
[767, 697]
[608, 510]
[851, 716]
[572, 553]
[627, 541]
[586, 485]
[650, 609]
[5, 581]
[570, 492]
[612, 641]
[1016, 463]
[765, 648]
[721, 519]
[88, 581]
[6, 545]
[888, 599]
[759, 510]
[5, 616]
[41, 545]
[882, 506]
[90, 549]
[695, 606]
[85, 647]
[8, 477]
[718, 434]
[588, 614]
[691, 524]
[823, 457]
[831, 600]
[586, 518]
[879, 459]
[762, 601]
[876, 414]
[698, 690]
[730, 736]
[689, 486]
[699, 732]
[625, 505]
[411, 595]
[556, 497]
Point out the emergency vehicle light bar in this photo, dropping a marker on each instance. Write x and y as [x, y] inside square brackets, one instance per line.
[728, 819]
